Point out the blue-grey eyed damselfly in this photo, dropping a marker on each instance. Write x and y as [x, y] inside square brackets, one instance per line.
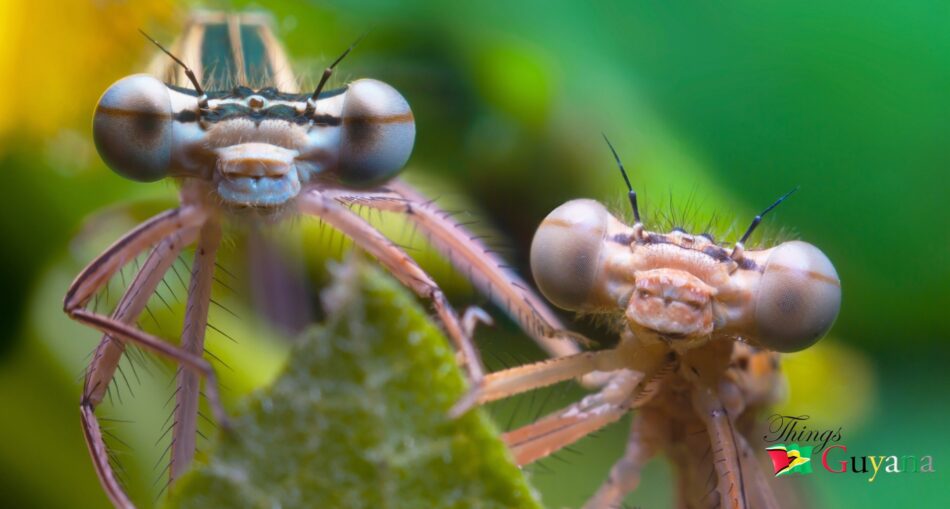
[223, 117]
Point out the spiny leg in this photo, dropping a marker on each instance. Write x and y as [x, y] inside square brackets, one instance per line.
[690, 456]
[91, 428]
[697, 477]
[743, 391]
[487, 271]
[100, 270]
[168, 231]
[109, 351]
[404, 268]
[155, 344]
[647, 434]
[566, 426]
[761, 492]
[540, 439]
[628, 357]
[509, 382]
[185, 427]
[722, 436]
[92, 432]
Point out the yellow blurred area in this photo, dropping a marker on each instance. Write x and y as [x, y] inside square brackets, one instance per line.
[56, 57]
[830, 381]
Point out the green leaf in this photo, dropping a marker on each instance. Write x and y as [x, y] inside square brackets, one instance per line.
[359, 419]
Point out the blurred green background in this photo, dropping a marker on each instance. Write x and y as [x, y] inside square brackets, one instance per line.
[717, 109]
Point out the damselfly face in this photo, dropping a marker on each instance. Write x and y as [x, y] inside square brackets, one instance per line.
[259, 148]
[325, 154]
[681, 288]
[689, 357]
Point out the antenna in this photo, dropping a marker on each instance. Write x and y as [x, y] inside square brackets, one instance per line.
[312, 101]
[202, 96]
[630, 192]
[758, 218]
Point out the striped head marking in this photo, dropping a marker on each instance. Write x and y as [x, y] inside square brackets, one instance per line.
[259, 147]
[682, 288]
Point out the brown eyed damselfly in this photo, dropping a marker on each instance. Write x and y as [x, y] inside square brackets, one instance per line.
[224, 119]
[694, 315]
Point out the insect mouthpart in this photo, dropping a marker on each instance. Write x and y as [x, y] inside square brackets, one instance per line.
[256, 175]
[671, 303]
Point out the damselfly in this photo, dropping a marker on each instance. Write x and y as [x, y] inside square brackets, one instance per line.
[271, 151]
[691, 309]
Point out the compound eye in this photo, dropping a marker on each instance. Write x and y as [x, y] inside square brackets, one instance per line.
[798, 299]
[378, 133]
[565, 253]
[132, 128]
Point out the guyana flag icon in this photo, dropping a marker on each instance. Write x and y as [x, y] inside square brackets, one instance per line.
[790, 459]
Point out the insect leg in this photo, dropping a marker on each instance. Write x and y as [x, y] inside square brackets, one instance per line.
[404, 268]
[566, 426]
[761, 492]
[737, 394]
[189, 360]
[647, 434]
[171, 230]
[109, 351]
[489, 273]
[100, 458]
[540, 439]
[722, 436]
[159, 229]
[185, 429]
[91, 429]
[502, 384]
[100, 270]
